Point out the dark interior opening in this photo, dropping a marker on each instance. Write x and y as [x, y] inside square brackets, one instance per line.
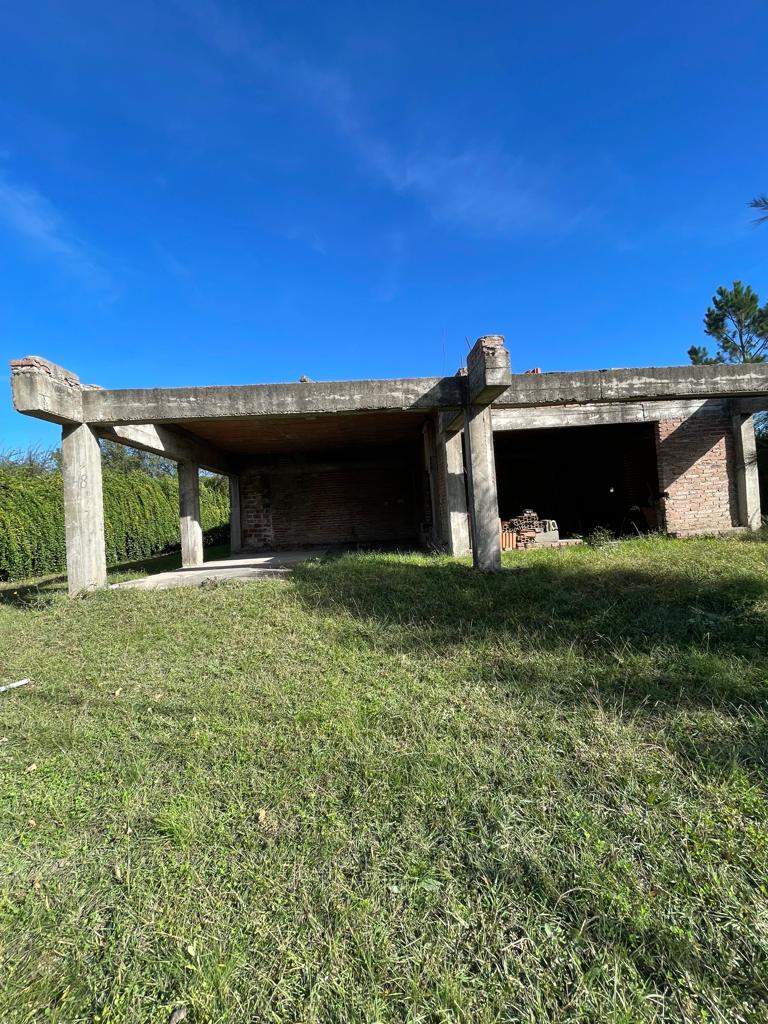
[584, 477]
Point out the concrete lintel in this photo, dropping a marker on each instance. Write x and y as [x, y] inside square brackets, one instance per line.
[174, 405]
[43, 389]
[594, 414]
[170, 442]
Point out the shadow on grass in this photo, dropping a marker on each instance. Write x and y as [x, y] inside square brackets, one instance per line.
[40, 592]
[642, 642]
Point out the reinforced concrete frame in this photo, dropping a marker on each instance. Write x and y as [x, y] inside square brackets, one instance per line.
[460, 415]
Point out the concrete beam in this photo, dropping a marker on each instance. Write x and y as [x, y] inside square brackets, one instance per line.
[747, 480]
[41, 388]
[83, 509]
[174, 405]
[488, 377]
[170, 442]
[637, 384]
[488, 370]
[483, 499]
[189, 515]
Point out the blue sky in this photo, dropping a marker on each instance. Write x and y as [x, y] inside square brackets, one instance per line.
[205, 191]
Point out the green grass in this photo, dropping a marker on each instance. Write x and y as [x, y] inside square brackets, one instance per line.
[391, 789]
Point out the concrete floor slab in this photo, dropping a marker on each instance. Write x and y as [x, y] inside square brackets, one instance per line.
[265, 565]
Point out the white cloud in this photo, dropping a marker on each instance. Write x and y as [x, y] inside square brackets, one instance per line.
[34, 219]
[477, 187]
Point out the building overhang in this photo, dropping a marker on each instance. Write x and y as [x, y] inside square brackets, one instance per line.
[214, 425]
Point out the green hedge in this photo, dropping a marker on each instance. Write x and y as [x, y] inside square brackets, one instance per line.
[141, 516]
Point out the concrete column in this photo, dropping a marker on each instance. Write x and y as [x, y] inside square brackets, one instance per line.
[83, 508]
[430, 465]
[747, 481]
[189, 515]
[235, 534]
[454, 520]
[481, 476]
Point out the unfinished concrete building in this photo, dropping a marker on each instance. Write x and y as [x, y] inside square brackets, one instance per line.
[434, 461]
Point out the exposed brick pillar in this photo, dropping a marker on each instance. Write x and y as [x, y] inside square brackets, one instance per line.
[697, 472]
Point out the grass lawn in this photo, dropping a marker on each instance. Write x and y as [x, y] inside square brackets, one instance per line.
[391, 789]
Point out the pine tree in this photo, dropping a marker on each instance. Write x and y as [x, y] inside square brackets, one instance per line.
[761, 203]
[738, 324]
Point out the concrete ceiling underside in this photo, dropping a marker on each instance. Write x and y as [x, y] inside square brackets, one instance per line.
[272, 435]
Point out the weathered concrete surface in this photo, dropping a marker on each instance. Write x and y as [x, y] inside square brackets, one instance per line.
[83, 509]
[43, 389]
[453, 494]
[488, 370]
[170, 442]
[487, 373]
[239, 567]
[747, 481]
[636, 384]
[174, 405]
[595, 414]
[481, 477]
[235, 528]
[142, 417]
[189, 515]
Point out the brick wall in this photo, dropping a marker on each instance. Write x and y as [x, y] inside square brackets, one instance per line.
[697, 472]
[256, 510]
[350, 499]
